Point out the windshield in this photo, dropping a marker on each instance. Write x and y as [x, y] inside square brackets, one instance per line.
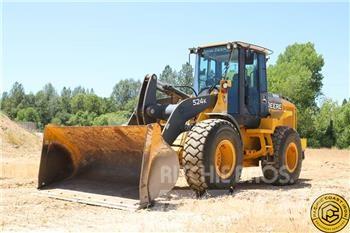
[212, 65]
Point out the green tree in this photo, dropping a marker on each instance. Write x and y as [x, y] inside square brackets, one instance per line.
[291, 80]
[90, 91]
[93, 103]
[82, 118]
[29, 114]
[61, 118]
[307, 127]
[17, 93]
[29, 100]
[78, 103]
[65, 99]
[5, 103]
[297, 75]
[168, 75]
[47, 103]
[124, 91]
[114, 118]
[131, 105]
[185, 77]
[323, 130]
[14, 101]
[86, 102]
[342, 126]
[107, 105]
[78, 90]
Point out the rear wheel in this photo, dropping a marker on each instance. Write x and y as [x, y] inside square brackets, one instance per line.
[212, 155]
[287, 159]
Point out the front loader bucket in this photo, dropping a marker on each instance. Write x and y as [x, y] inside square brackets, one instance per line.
[114, 166]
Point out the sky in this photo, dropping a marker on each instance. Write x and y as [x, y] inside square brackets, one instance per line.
[96, 44]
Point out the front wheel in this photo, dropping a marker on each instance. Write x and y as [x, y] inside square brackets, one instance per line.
[212, 155]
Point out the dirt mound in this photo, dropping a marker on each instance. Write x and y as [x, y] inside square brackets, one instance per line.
[17, 141]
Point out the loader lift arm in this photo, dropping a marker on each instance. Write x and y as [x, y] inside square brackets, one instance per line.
[147, 96]
[177, 109]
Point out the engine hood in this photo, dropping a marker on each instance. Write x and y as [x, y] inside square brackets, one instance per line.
[279, 103]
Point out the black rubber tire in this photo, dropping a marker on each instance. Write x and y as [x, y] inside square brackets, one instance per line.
[275, 172]
[199, 155]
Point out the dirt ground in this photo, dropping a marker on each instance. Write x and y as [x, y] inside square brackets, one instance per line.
[252, 207]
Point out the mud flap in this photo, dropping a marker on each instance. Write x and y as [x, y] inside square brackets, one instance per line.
[115, 166]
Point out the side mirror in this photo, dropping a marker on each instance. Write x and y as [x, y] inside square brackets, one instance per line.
[192, 50]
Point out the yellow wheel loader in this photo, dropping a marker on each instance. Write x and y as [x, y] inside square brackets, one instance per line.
[229, 122]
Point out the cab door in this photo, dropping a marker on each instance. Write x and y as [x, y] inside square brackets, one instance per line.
[264, 105]
[255, 84]
[251, 83]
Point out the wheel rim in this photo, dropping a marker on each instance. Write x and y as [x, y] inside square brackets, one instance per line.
[225, 159]
[291, 157]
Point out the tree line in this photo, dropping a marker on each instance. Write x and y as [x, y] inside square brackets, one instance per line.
[296, 75]
[81, 106]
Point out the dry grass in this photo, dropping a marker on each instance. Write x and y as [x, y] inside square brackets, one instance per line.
[252, 207]
[13, 139]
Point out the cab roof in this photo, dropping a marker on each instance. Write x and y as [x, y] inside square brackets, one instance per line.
[241, 44]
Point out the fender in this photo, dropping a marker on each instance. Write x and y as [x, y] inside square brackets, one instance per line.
[229, 118]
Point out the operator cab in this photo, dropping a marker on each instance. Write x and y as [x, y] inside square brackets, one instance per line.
[245, 66]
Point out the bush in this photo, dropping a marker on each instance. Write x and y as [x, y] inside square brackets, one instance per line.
[28, 115]
[82, 118]
[342, 126]
[328, 126]
[56, 121]
[61, 118]
[114, 118]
